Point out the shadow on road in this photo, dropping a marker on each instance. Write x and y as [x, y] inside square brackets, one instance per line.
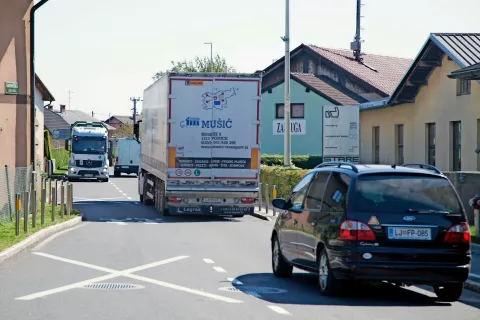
[302, 289]
[133, 211]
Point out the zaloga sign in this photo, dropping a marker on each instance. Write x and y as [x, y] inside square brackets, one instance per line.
[297, 127]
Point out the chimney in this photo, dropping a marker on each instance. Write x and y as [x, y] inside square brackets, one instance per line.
[62, 108]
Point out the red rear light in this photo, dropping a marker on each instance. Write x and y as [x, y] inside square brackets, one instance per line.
[116, 160]
[355, 231]
[175, 200]
[459, 233]
[247, 200]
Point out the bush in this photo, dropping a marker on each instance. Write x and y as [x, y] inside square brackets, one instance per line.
[47, 147]
[283, 178]
[303, 162]
[61, 158]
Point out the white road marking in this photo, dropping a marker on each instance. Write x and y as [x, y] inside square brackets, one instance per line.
[219, 269]
[49, 239]
[235, 281]
[117, 222]
[208, 261]
[279, 310]
[126, 273]
[97, 199]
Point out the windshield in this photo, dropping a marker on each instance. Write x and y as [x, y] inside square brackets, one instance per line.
[89, 145]
[403, 193]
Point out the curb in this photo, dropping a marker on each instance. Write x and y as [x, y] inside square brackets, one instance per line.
[472, 285]
[37, 237]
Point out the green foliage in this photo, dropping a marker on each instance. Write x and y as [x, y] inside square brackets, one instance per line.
[303, 162]
[283, 178]
[61, 157]
[198, 64]
[47, 147]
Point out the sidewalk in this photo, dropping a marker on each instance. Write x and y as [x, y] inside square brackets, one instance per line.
[264, 214]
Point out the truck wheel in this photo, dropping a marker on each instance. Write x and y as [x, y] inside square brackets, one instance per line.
[117, 173]
[145, 200]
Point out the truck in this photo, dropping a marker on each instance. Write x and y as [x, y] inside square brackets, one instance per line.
[89, 151]
[200, 144]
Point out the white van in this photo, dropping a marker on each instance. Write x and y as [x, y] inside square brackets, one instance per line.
[127, 157]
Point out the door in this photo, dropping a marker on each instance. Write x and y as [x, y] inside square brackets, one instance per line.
[290, 218]
[134, 153]
[307, 235]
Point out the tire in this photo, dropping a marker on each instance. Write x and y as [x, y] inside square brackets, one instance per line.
[281, 268]
[238, 216]
[449, 292]
[328, 284]
[141, 198]
[145, 200]
[117, 174]
[105, 180]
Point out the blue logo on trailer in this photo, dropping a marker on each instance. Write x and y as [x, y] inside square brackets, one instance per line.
[190, 123]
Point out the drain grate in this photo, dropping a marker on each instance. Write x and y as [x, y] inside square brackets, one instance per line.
[113, 286]
[252, 289]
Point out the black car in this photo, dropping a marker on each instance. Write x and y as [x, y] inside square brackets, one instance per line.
[401, 224]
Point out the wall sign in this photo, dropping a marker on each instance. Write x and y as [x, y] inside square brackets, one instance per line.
[11, 87]
[297, 127]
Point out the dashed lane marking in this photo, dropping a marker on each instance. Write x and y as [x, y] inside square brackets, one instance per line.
[219, 269]
[208, 261]
[279, 310]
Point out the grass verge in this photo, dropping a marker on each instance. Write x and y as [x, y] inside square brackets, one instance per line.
[7, 228]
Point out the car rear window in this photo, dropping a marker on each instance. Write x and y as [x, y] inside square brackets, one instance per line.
[399, 193]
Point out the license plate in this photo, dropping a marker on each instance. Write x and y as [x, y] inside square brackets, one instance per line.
[88, 175]
[124, 167]
[212, 200]
[405, 233]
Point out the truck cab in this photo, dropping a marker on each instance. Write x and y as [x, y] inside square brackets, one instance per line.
[88, 146]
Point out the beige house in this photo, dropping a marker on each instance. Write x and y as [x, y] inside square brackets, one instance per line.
[429, 118]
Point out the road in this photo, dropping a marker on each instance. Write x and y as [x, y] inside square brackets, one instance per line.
[126, 262]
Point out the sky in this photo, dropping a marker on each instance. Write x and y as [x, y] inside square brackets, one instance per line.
[94, 55]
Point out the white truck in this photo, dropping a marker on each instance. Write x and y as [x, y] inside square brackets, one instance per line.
[200, 144]
[88, 146]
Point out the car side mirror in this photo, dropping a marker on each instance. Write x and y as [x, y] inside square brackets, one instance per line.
[280, 204]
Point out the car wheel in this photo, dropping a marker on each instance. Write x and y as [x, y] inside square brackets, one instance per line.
[449, 292]
[280, 266]
[329, 285]
[116, 174]
[141, 198]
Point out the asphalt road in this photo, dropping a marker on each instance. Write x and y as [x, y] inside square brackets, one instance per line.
[182, 268]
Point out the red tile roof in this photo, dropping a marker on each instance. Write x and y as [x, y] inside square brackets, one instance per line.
[389, 70]
[323, 88]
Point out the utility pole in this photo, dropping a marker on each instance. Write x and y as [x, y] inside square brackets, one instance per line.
[69, 99]
[286, 105]
[93, 115]
[135, 109]
[211, 55]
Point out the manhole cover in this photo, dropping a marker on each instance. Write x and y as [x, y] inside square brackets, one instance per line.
[252, 289]
[113, 286]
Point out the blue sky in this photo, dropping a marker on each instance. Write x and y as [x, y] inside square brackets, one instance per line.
[105, 51]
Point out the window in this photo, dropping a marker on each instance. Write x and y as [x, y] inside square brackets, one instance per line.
[297, 111]
[457, 145]
[404, 194]
[376, 145]
[431, 143]
[315, 193]
[399, 138]
[463, 87]
[336, 192]
[298, 193]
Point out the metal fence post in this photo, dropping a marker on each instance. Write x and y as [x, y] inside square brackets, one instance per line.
[54, 203]
[17, 214]
[43, 198]
[25, 211]
[267, 193]
[34, 209]
[62, 200]
[9, 199]
[49, 190]
[260, 207]
[71, 197]
[274, 196]
[68, 198]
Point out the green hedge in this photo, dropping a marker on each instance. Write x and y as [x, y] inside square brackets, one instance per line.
[47, 147]
[283, 178]
[303, 162]
[61, 157]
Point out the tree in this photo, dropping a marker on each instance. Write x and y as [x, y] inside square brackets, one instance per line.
[123, 131]
[198, 64]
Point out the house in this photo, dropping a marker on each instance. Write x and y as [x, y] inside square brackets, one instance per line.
[58, 123]
[319, 77]
[117, 120]
[432, 116]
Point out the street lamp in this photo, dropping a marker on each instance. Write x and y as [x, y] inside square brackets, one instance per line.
[286, 104]
[211, 55]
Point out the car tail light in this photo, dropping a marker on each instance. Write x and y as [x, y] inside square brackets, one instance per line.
[459, 233]
[175, 200]
[355, 231]
[116, 160]
[247, 200]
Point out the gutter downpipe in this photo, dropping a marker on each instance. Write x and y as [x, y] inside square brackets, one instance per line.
[32, 80]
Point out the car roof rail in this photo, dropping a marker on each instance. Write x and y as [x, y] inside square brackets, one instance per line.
[423, 166]
[338, 164]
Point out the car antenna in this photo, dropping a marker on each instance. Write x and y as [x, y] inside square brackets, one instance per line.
[394, 166]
